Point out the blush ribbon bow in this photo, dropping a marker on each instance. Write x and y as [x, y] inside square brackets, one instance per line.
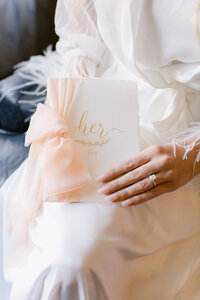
[54, 169]
[60, 166]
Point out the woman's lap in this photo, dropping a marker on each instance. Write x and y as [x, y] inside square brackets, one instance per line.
[94, 250]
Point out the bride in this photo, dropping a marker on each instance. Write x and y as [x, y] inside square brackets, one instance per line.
[142, 249]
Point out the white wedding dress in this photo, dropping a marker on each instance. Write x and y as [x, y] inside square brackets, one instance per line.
[97, 251]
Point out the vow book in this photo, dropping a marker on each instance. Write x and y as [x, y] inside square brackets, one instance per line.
[103, 122]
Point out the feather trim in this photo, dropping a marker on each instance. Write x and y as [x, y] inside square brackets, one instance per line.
[187, 140]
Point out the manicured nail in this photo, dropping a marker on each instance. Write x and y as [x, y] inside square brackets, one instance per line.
[101, 178]
[126, 203]
[102, 190]
[110, 198]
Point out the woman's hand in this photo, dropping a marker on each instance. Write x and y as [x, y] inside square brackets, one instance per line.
[129, 182]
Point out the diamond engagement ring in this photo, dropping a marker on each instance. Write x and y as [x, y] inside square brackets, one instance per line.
[152, 178]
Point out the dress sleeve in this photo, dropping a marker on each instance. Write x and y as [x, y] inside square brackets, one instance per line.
[79, 44]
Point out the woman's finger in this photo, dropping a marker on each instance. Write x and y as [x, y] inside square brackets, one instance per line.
[129, 178]
[138, 188]
[148, 195]
[124, 167]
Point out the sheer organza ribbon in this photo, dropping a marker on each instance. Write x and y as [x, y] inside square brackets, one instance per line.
[55, 170]
[60, 167]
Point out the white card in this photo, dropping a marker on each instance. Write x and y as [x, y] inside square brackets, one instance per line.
[103, 122]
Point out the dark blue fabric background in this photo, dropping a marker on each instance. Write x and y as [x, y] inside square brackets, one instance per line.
[14, 120]
[12, 153]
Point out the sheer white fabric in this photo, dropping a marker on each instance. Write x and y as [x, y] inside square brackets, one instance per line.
[159, 44]
[80, 44]
[78, 52]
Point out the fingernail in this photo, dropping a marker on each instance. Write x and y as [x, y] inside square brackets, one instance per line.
[101, 178]
[109, 198]
[126, 203]
[102, 190]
